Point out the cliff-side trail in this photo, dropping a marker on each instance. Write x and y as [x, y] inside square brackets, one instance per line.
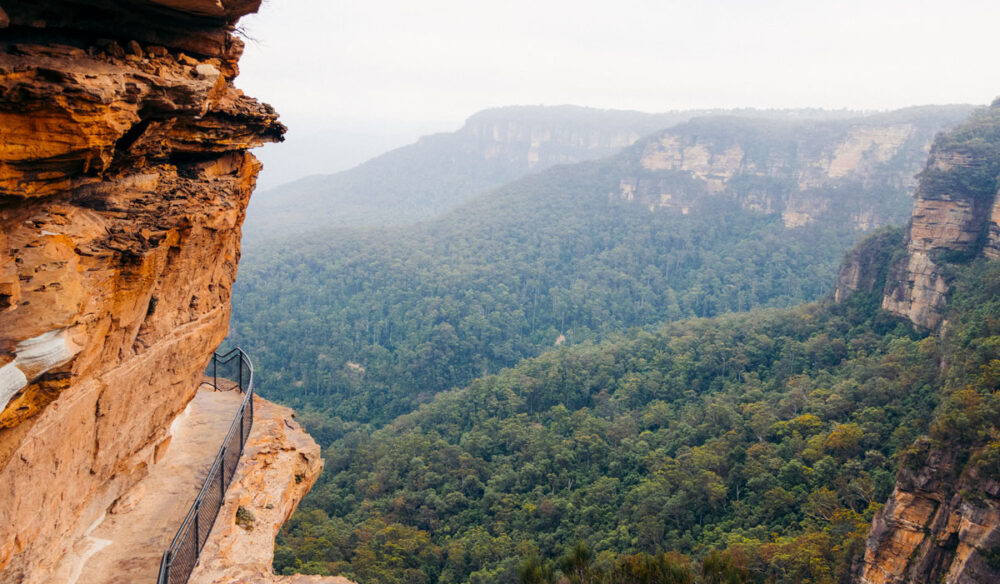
[124, 179]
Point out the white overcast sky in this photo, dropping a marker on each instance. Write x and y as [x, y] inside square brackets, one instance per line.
[442, 60]
[429, 64]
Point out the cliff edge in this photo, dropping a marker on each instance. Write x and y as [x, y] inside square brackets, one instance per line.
[955, 218]
[124, 178]
[280, 464]
[942, 522]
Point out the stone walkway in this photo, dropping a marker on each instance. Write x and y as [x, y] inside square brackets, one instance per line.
[126, 546]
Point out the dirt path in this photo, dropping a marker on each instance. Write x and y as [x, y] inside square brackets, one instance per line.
[126, 547]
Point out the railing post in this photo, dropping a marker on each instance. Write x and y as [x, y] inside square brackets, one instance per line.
[240, 361]
[215, 372]
[168, 559]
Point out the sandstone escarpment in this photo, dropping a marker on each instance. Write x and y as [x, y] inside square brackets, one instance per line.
[942, 522]
[865, 268]
[856, 172]
[124, 179]
[939, 526]
[954, 218]
[536, 138]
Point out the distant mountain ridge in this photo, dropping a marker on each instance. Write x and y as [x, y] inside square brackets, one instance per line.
[441, 171]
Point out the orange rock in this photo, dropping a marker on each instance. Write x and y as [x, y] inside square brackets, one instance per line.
[280, 464]
[125, 187]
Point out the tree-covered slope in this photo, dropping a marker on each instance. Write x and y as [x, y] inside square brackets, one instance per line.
[771, 438]
[366, 324]
[440, 171]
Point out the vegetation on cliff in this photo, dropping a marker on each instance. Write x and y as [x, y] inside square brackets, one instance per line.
[966, 161]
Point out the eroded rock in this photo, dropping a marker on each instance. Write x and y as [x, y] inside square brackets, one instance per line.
[857, 172]
[279, 465]
[124, 177]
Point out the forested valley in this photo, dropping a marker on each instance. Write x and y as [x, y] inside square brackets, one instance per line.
[559, 383]
[743, 448]
[362, 325]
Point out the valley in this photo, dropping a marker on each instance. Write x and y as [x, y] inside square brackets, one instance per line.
[590, 371]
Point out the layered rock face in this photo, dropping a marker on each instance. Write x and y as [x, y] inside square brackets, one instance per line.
[942, 522]
[124, 178]
[955, 217]
[533, 138]
[939, 526]
[865, 268]
[857, 171]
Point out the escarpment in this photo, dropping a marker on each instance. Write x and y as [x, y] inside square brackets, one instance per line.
[955, 218]
[124, 177]
[855, 172]
[534, 138]
[942, 522]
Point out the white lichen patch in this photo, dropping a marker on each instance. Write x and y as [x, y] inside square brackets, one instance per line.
[39, 354]
[12, 380]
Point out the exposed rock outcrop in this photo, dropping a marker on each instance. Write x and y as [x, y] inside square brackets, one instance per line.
[533, 138]
[280, 463]
[124, 179]
[954, 218]
[865, 268]
[939, 526]
[942, 522]
[857, 171]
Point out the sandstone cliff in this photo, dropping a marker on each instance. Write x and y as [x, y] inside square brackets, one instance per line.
[856, 171]
[534, 138]
[942, 522]
[124, 176]
[280, 464]
[955, 217]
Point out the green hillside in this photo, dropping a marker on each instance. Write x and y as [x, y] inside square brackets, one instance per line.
[749, 448]
[366, 324]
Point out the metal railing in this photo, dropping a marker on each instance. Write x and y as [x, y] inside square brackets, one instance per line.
[229, 371]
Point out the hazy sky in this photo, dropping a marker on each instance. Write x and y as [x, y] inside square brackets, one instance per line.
[393, 70]
[440, 60]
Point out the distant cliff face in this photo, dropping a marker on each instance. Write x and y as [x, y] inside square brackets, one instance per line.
[955, 217]
[442, 171]
[857, 171]
[536, 138]
[124, 178]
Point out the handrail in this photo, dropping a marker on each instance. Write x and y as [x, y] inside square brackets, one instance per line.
[181, 557]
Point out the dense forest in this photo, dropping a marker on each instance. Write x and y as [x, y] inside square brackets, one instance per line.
[558, 384]
[366, 325]
[743, 448]
[363, 325]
